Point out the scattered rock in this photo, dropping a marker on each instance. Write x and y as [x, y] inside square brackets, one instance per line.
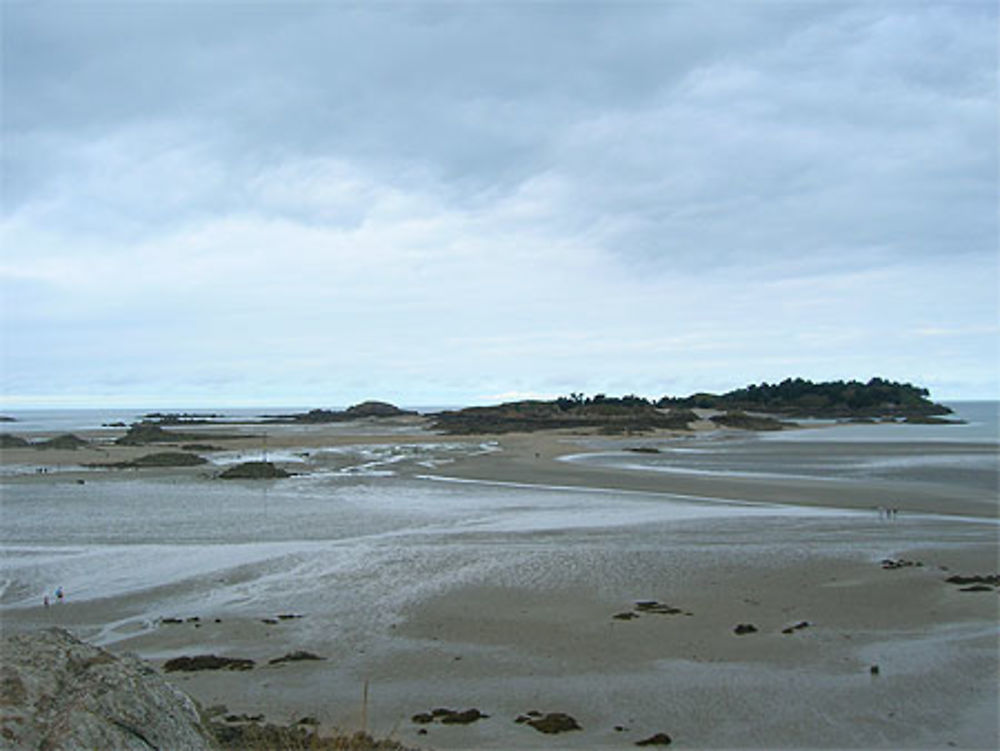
[254, 471]
[745, 628]
[171, 620]
[889, 564]
[288, 616]
[644, 450]
[207, 662]
[60, 693]
[269, 621]
[625, 616]
[297, 656]
[797, 627]
[652, 606]
[449, 716]
[463, 718]
[993, 579]
[553, 722]
[660, 739]
[874, 670]
[244, 718]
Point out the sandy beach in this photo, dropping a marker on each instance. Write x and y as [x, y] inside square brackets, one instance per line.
[492, 572]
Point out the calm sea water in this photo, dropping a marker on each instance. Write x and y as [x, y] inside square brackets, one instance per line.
[68, 420]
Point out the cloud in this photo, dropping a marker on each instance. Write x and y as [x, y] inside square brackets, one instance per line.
[449, 201]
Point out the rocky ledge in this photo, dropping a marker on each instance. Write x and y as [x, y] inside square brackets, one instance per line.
[58, 692]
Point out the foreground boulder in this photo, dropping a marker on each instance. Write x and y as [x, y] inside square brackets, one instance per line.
[60, 693]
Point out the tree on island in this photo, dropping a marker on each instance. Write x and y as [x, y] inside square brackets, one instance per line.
[798, 397]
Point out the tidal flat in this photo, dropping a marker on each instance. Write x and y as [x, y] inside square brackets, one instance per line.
[550, 573]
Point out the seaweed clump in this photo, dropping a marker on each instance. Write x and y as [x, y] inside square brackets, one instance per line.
[254, 471]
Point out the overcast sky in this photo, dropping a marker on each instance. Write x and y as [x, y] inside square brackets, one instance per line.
[446, 203]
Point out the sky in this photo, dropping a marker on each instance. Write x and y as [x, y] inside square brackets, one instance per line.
[442, 203]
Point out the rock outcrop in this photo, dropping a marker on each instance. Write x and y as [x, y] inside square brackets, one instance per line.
[377, 409]
[57, 692]
[254, 471]
[8, 441]
[356, 412]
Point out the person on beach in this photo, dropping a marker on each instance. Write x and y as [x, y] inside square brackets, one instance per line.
[59, 594]
[45, 602]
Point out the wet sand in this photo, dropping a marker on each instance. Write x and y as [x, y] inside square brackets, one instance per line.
[536, 630]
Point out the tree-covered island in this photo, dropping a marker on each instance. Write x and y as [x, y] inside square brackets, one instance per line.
[767, 404]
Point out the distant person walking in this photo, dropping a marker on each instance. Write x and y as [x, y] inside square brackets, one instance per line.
[59, 594]
[45, 602]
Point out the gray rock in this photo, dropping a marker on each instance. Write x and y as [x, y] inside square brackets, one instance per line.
[56, 692]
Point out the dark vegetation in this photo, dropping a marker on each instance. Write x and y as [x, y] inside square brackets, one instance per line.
[160, 459]
[797, 397]
[743, 421]
[207, 662]
[66, 441]
[628, 414]
[251, 736]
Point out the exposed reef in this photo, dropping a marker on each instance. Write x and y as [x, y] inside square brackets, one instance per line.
[743, 421]
[160, 459]
[630, 414]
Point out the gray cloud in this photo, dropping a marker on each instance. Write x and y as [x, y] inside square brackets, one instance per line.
[558, 193]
